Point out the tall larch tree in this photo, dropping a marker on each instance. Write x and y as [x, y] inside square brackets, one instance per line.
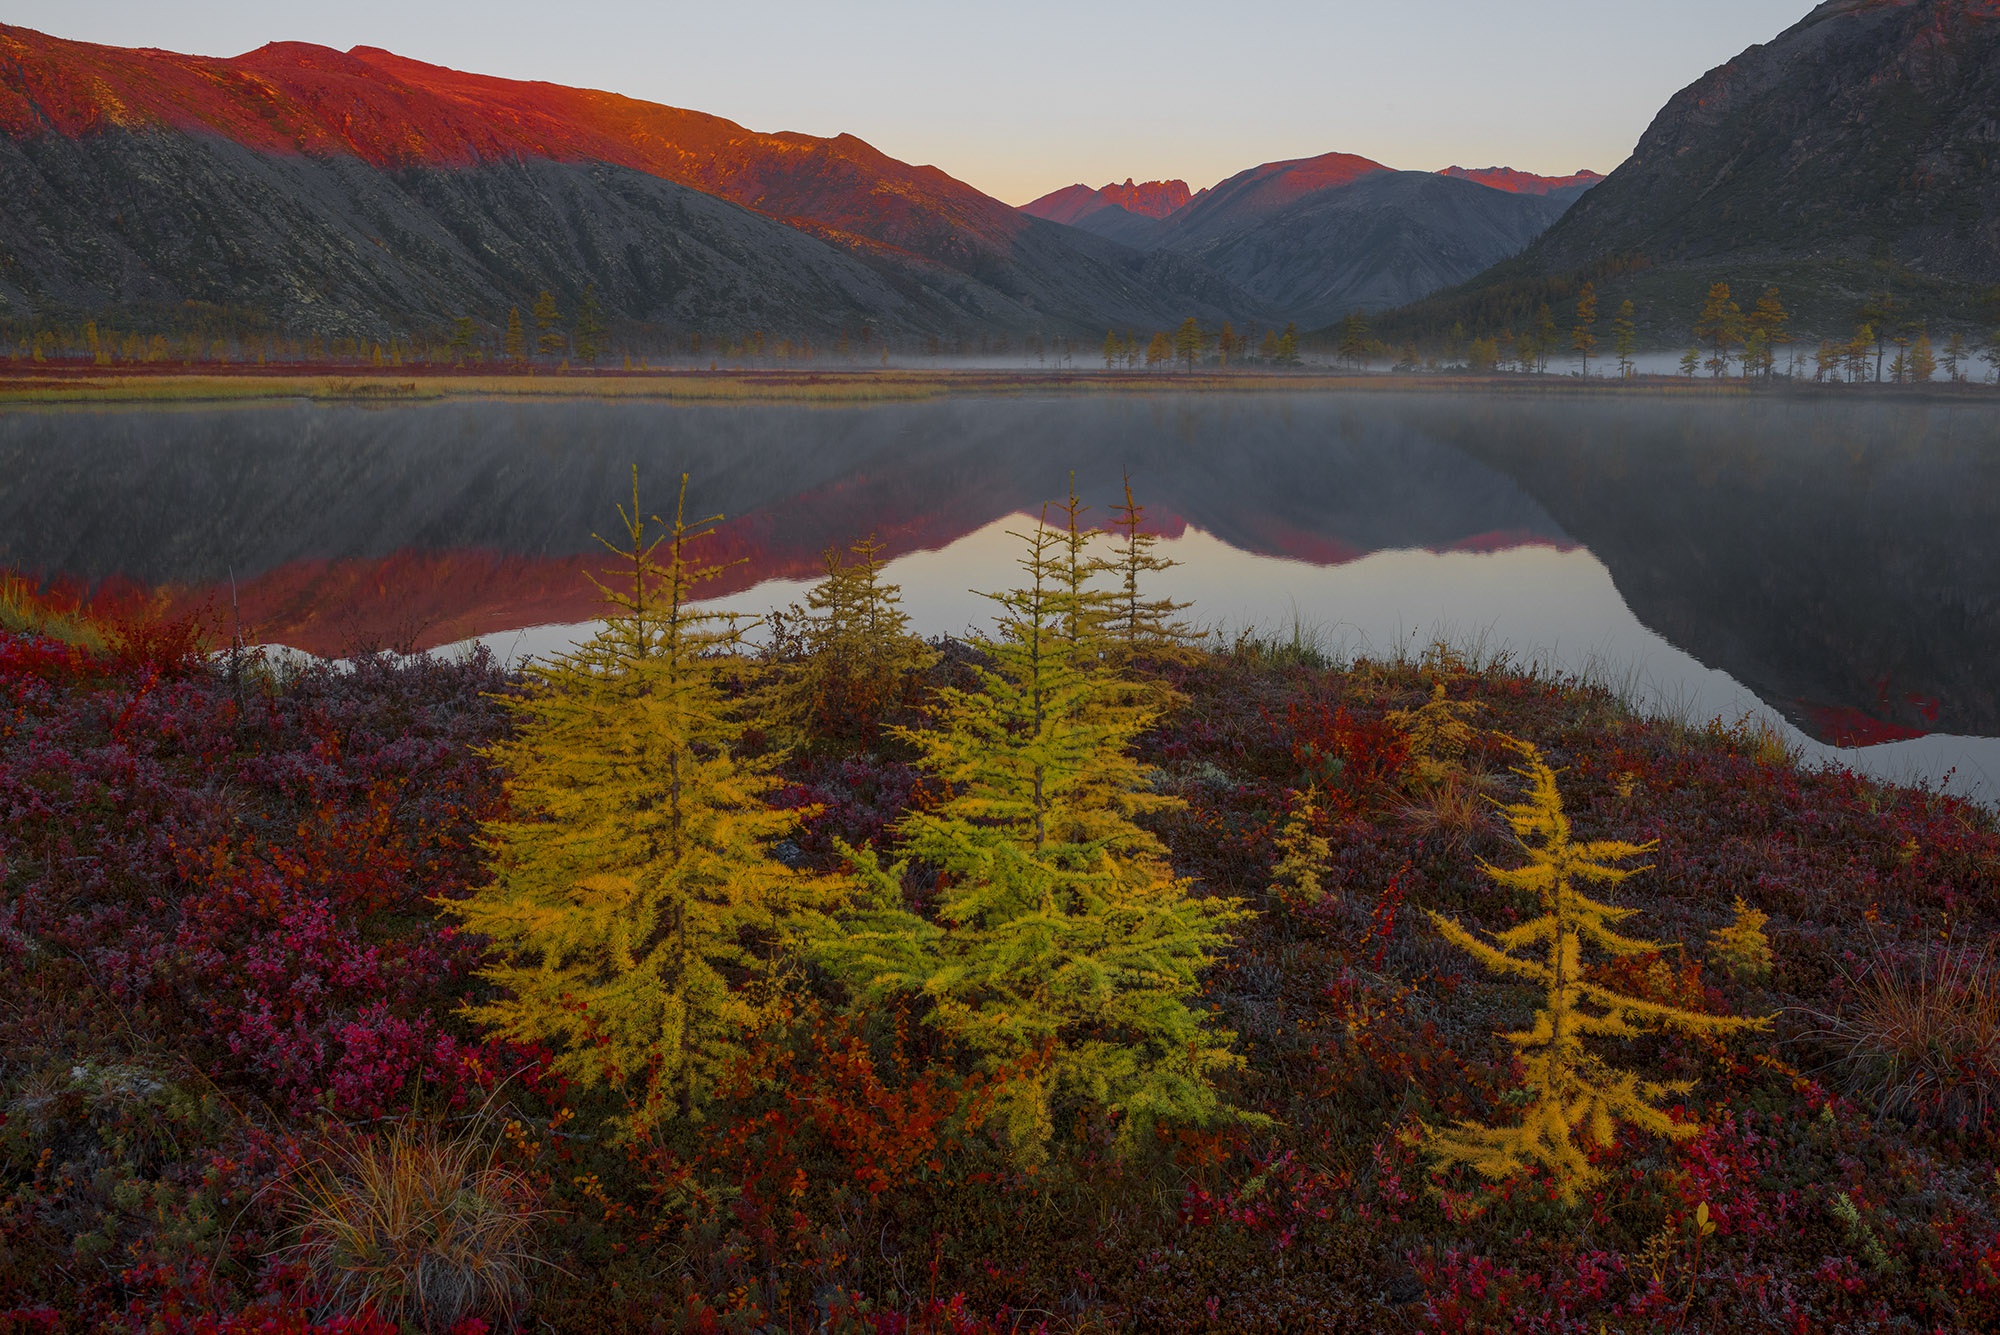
[1720, 326]
[516, 344]
[1288, 345]
[1545, 337]
[1771, 324]
[1353, 346]
[1189, 342]
[589, 327]
[1625, 338]
[638, 924]
[1062, 955]
[1584, 337]
[1569, 1087]
[549, 337]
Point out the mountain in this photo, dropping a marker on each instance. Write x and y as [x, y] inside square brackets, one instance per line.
[361, 191]
[1072, 204]
[1132, 215]
[1855, 152]
[1251, 196]
[1384, 240]
[1314, 238]
[1525, 183]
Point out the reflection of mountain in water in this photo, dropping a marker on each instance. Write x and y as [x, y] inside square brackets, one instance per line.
[347, 525]
[1836, 558]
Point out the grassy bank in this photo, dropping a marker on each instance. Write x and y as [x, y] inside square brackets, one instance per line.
[231, 1016]
[402, 385]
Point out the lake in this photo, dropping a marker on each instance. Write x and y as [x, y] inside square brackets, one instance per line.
[1826, 561]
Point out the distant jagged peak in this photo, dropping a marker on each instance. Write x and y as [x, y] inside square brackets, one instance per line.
[1151, 199]
[1523, 183]
[1148, 199]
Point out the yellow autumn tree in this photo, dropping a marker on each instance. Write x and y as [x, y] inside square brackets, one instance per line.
[1135, 623]
[1061, 953]
[637, 921]
[1438, 732]
[851, 657]
[1575, 1097]
[1303, 853]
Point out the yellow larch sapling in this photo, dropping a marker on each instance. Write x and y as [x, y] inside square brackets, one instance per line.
[855, 656]
[1063, 956]
[1438, 732]
[1575, 1097]
[638, 922]
[1741, 948]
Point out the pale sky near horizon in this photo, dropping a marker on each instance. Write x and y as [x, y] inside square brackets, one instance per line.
[1026, 98]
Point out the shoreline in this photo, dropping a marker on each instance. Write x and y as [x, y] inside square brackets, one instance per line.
[58, 386]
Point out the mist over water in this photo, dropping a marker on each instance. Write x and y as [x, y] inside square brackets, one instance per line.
[1829, 563]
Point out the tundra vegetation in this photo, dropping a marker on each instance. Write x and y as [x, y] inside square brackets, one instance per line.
[1079, 975]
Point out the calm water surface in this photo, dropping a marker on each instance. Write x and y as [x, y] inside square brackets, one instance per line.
[1830, 563]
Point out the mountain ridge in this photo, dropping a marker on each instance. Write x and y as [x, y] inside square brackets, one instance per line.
[1852, 154]
[95, 114]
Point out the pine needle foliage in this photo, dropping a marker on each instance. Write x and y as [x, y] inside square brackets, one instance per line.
[852, 657]
[637, 919]
[1302, 853]
[1138, 624]
[1438, 732]
[1741, 948]
[1570, 1088]
[1061, 953]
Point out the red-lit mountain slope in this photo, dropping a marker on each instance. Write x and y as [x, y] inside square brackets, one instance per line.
[1130, 214]
[1523, 183]
[1150, 199]
[91, 132]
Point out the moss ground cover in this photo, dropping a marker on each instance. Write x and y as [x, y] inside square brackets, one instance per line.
[228, 977]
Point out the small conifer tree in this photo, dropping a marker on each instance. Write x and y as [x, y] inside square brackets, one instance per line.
[1569, 1087]
[1136, 623]
[1438, 732]
[854, 653]
[1741, 948]
[1063, 955]
[637, 920]
[1302, 853]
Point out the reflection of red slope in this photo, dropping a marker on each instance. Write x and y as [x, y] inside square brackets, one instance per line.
[1838, 725]
[296, 98]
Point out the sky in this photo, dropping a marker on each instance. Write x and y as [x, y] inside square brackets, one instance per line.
[1022, 98]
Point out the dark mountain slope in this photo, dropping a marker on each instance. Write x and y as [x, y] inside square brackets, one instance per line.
[1251, 196]
[369, 124]
[1384, 240]
[133, 224]
[1857, 151]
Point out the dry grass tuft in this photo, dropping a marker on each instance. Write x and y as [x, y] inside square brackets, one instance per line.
[1454, 811]
[425, 1230]
[1921, 1041]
